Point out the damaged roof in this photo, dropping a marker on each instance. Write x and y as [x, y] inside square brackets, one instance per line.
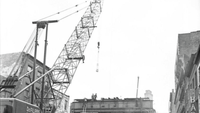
[7, 62]
[188, 44]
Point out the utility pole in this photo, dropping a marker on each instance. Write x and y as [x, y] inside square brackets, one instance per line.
[140, 100]
[137, 87]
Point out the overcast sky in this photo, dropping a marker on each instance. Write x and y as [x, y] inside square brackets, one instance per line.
[137, 38]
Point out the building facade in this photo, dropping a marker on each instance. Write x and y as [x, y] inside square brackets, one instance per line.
[20, 64]
[187, 73]
[115, 105]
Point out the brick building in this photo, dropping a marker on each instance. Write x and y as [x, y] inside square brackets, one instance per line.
[19, 64]
[23, 63]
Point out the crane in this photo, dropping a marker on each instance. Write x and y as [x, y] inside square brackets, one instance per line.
[73, 51]
[66, 64]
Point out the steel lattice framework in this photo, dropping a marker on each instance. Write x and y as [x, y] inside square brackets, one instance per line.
[67, 62]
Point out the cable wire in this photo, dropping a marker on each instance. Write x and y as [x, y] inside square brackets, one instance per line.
[62, 11]
[72, 13]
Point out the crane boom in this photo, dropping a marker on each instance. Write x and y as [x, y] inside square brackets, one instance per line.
[72, 53]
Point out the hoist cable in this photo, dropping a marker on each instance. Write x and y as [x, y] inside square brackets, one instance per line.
[25, 49]
[29, 43]
[62, 11]
[72, 13]
[98, 45]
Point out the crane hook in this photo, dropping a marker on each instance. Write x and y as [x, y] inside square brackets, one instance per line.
[98, 46]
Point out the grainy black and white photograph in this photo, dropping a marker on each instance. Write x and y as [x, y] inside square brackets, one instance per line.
[99, 56]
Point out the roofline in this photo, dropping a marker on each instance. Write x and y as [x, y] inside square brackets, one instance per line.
[30, 56]
[111, 100]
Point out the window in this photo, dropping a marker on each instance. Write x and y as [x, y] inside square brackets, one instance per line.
[27, 83]
[190, 86]
[3, 94]
[27, 91]
[66, 103]
[29, 68]
[115, 105]
[195, 80]
[193, 83]
[39, 74]
[37, 90]
[6, 109]
[198, 74]
[46, 83]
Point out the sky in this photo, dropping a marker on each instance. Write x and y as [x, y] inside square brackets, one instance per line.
[138, 38]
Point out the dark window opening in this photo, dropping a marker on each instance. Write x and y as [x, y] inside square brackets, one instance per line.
[6, 109]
